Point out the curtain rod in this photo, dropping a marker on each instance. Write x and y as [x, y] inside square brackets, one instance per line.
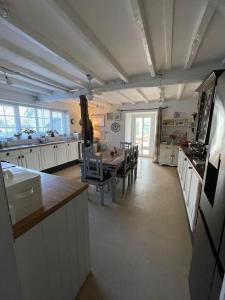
[143, 109]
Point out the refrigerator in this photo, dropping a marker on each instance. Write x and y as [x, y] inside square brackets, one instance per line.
[208, 258]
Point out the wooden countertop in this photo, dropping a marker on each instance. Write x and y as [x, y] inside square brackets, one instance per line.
[56, 192]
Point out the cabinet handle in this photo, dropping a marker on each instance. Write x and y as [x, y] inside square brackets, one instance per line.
[19, 157]
[31, 150]
[185, 159]
[22, 156]
[7, 153]
[190, 167]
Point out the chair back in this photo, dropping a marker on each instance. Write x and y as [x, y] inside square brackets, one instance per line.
[92, 165]
[125, 145]
[127, 161]
[135, 155]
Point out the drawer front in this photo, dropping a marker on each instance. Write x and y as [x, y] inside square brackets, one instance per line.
[30, 150]
[5, 154]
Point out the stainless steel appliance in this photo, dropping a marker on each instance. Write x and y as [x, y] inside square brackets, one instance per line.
[208, 260]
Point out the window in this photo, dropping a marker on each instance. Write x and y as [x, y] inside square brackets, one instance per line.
[7, 121]
[57, 121]
[27, 117]
[44, 120]
[15, 118]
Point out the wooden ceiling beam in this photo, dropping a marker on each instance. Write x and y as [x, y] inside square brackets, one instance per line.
[168, 14]
[205, 17]
[180, 91]
[36, 37]
[143, 95]
[140, 19]
[63, 9]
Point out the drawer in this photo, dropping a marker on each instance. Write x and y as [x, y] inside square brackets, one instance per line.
[12, 153]
[31, 149]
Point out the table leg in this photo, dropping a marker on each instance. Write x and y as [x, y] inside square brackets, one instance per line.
[113, 184]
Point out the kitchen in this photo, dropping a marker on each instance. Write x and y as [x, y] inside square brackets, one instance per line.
[111, 148]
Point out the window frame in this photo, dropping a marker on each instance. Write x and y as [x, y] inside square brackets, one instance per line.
[17, 117]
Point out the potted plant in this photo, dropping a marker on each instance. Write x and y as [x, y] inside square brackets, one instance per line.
[29, 132]
[52, 132]
[18, 135]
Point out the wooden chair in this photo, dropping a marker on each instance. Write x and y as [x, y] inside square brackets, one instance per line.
[125, 145]
[134, 162]
[125, 171]
[93, 171]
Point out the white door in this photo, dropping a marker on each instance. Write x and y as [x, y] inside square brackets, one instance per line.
[143, 133]
[48, 156]
[61, 153]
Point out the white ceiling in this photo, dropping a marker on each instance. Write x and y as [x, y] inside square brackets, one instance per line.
[58, 42]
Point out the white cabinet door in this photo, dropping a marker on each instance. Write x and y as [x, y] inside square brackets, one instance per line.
[183, 172]
[187, 183]
[180, 162]
[61, 153]
[32, 262]
[72, 148]
[14, 157]
[175, 156]
[192, 209]
[48, 157]
[31, 158]
[165, 157]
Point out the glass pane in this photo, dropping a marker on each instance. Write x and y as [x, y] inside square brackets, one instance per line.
[57, 121]
[9, 110]
[2, 121]
[1, 110]
[10, 122]
[27, 111]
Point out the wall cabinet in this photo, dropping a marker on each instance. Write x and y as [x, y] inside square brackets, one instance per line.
[168, 155]
[191, 187]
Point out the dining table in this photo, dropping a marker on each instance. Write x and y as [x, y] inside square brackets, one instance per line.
[112, 163]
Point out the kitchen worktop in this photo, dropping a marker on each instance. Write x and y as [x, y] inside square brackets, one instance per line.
[19, 147]
[200, 169]
[56, 192]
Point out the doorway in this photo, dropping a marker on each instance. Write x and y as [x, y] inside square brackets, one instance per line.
[142, 132]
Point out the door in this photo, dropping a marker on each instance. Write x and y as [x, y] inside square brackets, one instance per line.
[61, 153]
[187, 183]
[143, 133]
[48, 157]
[31, 159]
[72, 151]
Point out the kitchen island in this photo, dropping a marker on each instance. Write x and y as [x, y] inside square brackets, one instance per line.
[52, 244]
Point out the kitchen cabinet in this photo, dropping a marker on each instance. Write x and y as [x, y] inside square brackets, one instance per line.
[191, 187]
[53, 257]
[72, 151]
[168, 155]
[13, 157]
[31, 158]
[48, 157]
[60, 154]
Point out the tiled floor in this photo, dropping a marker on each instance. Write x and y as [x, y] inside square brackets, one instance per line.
[140, 247]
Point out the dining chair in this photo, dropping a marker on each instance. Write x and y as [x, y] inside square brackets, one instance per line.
[125, 170]
[125, 145]
[134, 162]
[93, 172]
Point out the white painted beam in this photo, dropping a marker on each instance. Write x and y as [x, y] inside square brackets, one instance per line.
[66, 12]
[12, 88]
[205, 17]
[168, 13]
[36, 37]
[15, 50]
[180, 91]
[143, 95]
[172, 77]
[25, 86]
[140, 19]
[46, 81]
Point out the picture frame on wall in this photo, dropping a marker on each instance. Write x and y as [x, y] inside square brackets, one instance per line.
[98, 120]
[109, 116]
[117, 116]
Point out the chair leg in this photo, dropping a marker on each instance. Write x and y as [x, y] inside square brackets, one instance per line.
[108, 186]
[135, 173]
[124, 182]
[101, 188]
[129, 179]
[132, 175]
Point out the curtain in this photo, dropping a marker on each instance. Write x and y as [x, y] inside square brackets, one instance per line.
[157, 136]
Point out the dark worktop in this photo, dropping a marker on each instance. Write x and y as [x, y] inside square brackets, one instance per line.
[200, 169]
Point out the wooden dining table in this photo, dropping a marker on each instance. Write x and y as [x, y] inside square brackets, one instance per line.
[112, 163]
